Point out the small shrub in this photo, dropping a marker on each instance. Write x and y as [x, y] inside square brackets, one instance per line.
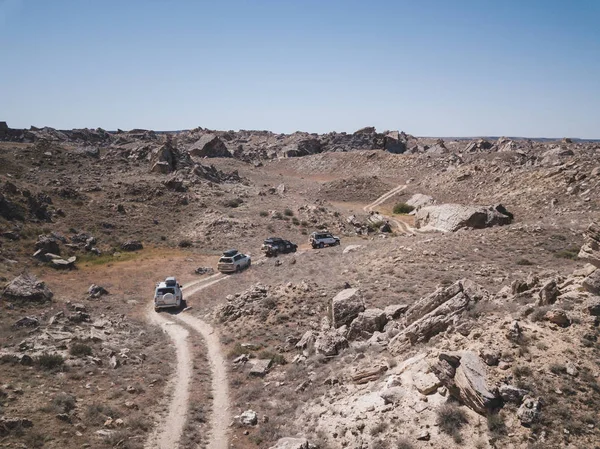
[288, 212]
[238, 350]
[278, 359]
[496, 424]
[50, 361]
[185, 243]
[381, 426]
[522, 371]
[557, 368]
[236, 202]
[524, 261]
[277, 215]
[264, 213]
[403, 443]
[80, 350]
[451, 419]
[97, 413]
[304, 223]
[63, 402]
[295, 221]
[402, 209]
[569, 253]
[538, 314]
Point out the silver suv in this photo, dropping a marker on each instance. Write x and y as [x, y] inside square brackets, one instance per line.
[233, 261]
[322, 239]
[168, 294]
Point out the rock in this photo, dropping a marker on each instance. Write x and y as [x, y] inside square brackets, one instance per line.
[62, 263]
[27, 322]
[464, 374]
[330, 343]
[386, 227]
[132, 245]
[451, 217]
[96, 291]
[350, 248]
[489, 356]
[558, 317]
[248, 418]
[395, 311]
[366, 323]
[164, 159]
[423, 436]
[593, 306]
[592, 283]
[292, 443]
[47, 244]
[510, 393]
[434, 313]
[303, 147]
[530, 411]
[8, 424]
[260, 367]
[346, 306]
[571, 369]
[204, 270]
[514, 333]
[548, 294]
[425, 383]
[307, 340]
[114, 362]
[27, 287]
[590, 251]
[418, 200]
[209, 145]
[392, 395]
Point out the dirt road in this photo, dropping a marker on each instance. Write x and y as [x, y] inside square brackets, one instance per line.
[168, 433]
[402, 227]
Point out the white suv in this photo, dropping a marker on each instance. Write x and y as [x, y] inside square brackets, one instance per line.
[322, 239]
[233, 261]
[168, 294]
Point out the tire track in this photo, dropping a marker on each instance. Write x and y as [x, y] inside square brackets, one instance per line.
[402, 227]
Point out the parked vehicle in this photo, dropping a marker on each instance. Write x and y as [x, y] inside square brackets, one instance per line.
[322, 239]
[168, 294]
[275, 245]
[232, 261]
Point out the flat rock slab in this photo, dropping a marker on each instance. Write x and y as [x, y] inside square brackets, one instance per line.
[260, 367]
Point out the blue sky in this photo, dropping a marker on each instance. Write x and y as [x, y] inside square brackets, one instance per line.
[436, 68]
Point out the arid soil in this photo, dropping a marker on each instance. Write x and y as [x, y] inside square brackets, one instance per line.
[412, 370]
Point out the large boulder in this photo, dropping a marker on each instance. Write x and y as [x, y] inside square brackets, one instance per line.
[132, 245]
[451, 217]
[164, 159]
[393, 144]
[590, 251]
[418, 201]
[346, 306]
[209, 145]
[464, 374]
[530, 411]
[27, 287]
[366, 323]
[303, 147]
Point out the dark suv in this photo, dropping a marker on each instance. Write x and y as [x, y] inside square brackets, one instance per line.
[275, 245]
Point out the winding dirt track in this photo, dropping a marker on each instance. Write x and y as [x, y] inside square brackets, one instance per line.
[168, 433]
[403, 227]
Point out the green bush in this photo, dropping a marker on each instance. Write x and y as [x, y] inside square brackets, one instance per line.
[185, 243]
[288, 212]
[49, 361]
[236, 202]
[569, 253]
[264, 213]
[524, 261]
[403, 209]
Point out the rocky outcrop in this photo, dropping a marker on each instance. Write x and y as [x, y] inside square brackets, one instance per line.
[464, 374]
[132, 245]
[418, 201]
[451, 217]
[47, 244]
[590, 251]
[346, 306]
[592, 283]
[435, 313]
[26, 288]
[302, 148]
[209, 145]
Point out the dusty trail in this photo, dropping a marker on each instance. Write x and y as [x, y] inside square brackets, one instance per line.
[220, 416]
[167, 434]
[403, 227]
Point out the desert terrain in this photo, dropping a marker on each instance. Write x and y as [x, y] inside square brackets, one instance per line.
[461, 308]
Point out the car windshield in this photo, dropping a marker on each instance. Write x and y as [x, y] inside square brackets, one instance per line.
[164, 291]
[225, 260]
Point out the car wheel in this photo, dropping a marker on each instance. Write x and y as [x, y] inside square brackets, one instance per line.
[249, 263]
[157, 309]
[238, 269]
[321, 245]
[294, 248]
